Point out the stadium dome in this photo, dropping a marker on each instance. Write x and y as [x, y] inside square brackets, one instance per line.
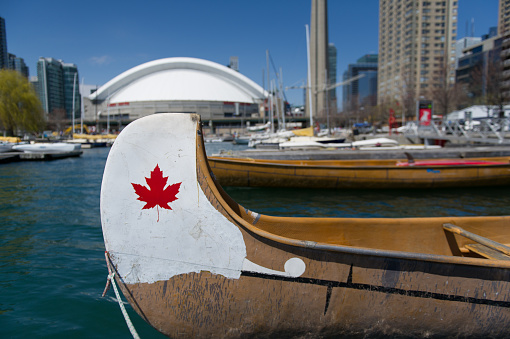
[180, 79]
[221, 95]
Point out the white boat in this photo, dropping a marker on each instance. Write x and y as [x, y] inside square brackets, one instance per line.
[266, 126]
[47, 147]
[6, 147]
[325, 142]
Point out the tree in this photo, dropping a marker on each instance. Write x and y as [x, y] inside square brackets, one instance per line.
[407, 96]
[20, 108]
[486, 83]
[445, 94]
[57, 119]
[495, 95]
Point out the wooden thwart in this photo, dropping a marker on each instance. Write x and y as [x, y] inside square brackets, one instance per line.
[485, 247]
[487, 252]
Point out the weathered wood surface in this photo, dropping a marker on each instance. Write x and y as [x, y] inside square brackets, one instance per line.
[475, 237]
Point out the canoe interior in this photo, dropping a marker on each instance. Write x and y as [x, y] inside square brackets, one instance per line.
[416, 235]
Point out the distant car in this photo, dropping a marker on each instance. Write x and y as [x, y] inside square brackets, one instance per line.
[363, 127]
[407, 128]
[472, 125]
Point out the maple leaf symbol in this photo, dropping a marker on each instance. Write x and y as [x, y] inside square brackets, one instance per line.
[157, 195]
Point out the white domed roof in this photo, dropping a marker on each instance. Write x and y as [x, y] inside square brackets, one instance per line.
[180, 79]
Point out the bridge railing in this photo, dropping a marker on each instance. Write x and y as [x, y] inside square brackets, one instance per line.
[489, 130]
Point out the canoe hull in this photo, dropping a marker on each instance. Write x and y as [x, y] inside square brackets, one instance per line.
[193, 263]
[354, 296]
[246, 173]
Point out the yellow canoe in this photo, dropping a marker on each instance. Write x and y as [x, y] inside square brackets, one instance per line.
[193, 263]
[388, 174]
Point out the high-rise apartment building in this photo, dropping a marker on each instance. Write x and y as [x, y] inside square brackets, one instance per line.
[56, 83]
[504, 17]
[416, 48]
[4, 56]
[504, 31]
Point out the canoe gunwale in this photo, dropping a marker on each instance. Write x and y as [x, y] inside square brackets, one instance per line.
[222, 196]
[241, 161]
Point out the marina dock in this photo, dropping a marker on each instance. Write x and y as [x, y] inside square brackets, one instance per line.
[39, 156]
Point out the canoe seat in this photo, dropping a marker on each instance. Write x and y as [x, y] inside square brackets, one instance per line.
[487, 252]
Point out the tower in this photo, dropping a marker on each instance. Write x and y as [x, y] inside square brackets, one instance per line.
[318, 59]
[4, 56]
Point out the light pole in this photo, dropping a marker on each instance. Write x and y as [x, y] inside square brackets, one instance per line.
[74, 91]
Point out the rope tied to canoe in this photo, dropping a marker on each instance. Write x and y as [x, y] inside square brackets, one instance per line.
[111, 281]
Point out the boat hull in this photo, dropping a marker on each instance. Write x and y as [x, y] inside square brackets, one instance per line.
[47, 147]
[206, 267]
[368, 174]
[345, 295]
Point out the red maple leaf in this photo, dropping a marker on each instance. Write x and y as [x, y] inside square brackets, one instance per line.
[157, 195]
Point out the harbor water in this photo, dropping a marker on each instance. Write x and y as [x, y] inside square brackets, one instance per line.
[52, 266]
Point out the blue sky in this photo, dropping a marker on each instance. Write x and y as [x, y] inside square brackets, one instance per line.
[106, 38]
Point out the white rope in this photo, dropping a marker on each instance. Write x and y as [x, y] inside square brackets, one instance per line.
[122, 308]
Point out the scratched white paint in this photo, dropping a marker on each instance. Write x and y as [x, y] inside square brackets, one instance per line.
[294, 267]
[193, 236]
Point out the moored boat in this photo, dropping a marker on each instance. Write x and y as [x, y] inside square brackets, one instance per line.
[6, 146]
[367, 173]
[194, 263]
[47, 147]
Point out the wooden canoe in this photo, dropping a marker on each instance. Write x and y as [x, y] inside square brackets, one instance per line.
[193, 263]
[380, 173]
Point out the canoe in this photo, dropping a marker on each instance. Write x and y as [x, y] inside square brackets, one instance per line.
[193, 263]
[366, 174]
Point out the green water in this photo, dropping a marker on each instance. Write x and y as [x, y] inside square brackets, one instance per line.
[52, 268]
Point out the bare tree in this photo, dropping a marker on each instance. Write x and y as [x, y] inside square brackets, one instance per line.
[445, 94]
[57, 119]
[486, 85]
[494, 92]
[407, 100]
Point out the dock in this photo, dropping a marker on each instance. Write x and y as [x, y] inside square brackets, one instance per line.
[8, 157]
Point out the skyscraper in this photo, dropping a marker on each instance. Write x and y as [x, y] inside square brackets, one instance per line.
[4, 56]
[332, 72]
[18, 64]
[416, 49]
[504, 17]
[56, 82]
[318, 58]
[361, 92]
